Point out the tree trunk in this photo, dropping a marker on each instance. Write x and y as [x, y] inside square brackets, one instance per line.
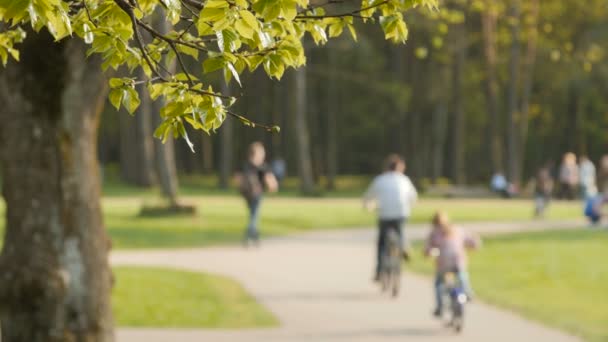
[136, 146]
[458, 143]
[332, 123]
[528, 78]
[440, 125]
[301, 133]
[165, 162]
[226, 147]
[512, 96]
[488, 21]
[207, 151]
[54, 263]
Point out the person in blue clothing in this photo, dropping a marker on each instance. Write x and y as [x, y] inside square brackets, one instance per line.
[593, 208]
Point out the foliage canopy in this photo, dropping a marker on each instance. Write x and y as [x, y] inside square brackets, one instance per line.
[230, 36]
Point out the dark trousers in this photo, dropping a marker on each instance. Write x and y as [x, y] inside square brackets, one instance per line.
[383, 228]
[252, 232]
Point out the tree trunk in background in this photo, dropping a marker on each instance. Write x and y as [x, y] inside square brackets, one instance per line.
[332, 122]
[301, 133]
[488, 21]
[207, 152]
[458, 143]
[139, 133]
[165, 153]
[277, 113]
[440, 125]
[165, 161]
[528, 79]
[54, 263]
[226, 147]
[136, 146]
[512, 96]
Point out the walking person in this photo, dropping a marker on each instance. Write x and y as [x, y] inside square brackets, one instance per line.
[542, 190]
[255, 179]
[588, 177]
[568, 177]
[394, 194]
[603, 175]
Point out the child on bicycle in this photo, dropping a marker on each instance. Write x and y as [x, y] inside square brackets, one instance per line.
[449, 244]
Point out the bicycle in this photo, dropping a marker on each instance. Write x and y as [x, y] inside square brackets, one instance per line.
[458, 299]
[390, 266]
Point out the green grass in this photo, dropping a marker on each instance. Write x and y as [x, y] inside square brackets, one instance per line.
[155, 297]
[221, 219]
[557, 277]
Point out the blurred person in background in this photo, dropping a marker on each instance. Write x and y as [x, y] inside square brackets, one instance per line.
[593, 208]
[393, 195]
[543, 189]
[449, 243]
[279, 169]
[587, 177]
[256, 178]
[500, 185]
[603, 175]
[568, 177]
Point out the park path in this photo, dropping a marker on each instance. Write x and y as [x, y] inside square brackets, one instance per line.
[319, 286]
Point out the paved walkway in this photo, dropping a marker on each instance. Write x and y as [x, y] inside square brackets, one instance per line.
[318, 285]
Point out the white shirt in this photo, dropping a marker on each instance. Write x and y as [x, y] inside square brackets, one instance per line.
[394, 194]
[587, 173]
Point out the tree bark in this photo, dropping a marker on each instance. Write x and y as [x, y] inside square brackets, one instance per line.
[226, 147]
[56, 279]
[512, 95]
[488, 21]
[301, 133]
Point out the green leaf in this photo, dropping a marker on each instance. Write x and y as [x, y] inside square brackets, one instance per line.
[210, 14]
[250, 19]
[131, 100]
[243, 29]
[116, 82]
[115, 96]
[213, 64]
[235, 74]
[352, 31]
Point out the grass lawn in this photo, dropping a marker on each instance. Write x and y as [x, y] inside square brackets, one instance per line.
[559, 278]
[156, 297]
[221, 219]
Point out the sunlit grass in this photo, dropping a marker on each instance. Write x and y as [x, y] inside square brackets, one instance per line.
[156, 297]
[221, 219]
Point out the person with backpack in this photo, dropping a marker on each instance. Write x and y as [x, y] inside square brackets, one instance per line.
[256, 178]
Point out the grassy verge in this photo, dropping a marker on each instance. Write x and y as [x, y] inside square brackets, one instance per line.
[221, 219]
[153, 297]
[558, 278]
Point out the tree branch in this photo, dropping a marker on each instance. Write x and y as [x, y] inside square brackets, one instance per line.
[354, 14]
